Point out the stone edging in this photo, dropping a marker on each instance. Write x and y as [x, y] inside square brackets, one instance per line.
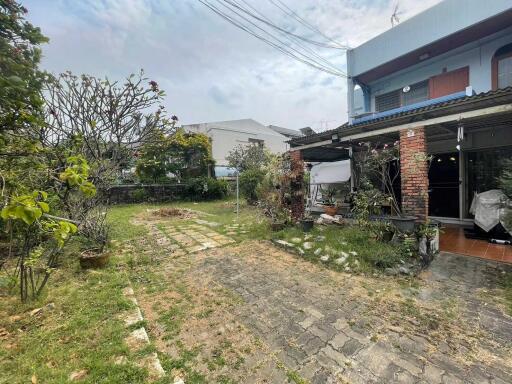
[138, 338]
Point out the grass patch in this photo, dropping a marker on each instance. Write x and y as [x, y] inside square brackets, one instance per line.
[81, 332]
[294, 377]
[356, 248]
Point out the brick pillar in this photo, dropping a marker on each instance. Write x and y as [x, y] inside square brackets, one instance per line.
[296, 184]
[414, 172]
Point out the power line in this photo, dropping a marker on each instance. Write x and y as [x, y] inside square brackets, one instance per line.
[294, 40]
[272, 25]
[290, 12]
[306, 57]
[293, 53]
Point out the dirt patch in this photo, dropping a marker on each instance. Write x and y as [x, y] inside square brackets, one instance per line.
[179, 213]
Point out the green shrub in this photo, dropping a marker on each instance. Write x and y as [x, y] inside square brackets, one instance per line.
[138, 195]
[204, 188]
[249, 183]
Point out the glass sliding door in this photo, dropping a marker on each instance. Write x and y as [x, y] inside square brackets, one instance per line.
[483, 168]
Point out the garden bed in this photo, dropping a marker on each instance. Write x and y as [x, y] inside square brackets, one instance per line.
[348, 249]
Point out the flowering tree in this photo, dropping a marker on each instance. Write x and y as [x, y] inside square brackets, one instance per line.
[378, 169]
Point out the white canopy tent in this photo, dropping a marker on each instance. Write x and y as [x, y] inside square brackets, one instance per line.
[323, 174]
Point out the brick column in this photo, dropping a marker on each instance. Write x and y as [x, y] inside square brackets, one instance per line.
[414, 172]
[296, 184]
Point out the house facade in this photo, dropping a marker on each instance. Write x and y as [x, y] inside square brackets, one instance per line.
[440, 83]
[226, 135]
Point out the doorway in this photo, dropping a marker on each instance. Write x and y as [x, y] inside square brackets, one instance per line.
[444, 183]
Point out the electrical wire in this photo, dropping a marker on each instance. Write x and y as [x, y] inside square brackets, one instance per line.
[272, 25]
[279, 46]
[290, 12]
[294, 40]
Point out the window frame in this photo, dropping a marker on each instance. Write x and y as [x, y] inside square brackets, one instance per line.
[495, 61]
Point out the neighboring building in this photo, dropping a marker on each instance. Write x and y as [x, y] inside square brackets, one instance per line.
[226, 135]
[441, 83]
[286, 132]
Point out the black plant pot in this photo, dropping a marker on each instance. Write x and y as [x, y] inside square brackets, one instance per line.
[388, 236]
[307, 224]
[403, 223]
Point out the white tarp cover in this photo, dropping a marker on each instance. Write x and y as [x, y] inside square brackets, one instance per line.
[323, 174]
[330, 173]
[489, 208]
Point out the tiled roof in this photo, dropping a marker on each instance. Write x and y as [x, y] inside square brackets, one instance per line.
[444, 106]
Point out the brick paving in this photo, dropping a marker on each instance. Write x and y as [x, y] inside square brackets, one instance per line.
[330, 327]
[319, 329]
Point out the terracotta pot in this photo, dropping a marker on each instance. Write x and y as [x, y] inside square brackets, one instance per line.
[92, 258]
[277, 226]
[330, 210]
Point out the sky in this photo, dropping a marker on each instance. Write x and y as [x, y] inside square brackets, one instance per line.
[209, 69]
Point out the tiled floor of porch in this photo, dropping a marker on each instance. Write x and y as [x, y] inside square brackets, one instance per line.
[452, 239]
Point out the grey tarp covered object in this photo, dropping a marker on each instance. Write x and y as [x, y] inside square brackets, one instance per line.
[489, 208]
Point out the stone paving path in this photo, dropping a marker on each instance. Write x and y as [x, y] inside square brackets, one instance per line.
[187, 238]
[328, 329]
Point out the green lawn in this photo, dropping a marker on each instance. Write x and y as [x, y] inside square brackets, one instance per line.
[81, 328]
[81, 332]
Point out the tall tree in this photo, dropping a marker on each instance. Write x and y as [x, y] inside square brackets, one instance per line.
[20, 78]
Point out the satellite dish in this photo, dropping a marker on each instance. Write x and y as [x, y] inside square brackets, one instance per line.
[406, 89]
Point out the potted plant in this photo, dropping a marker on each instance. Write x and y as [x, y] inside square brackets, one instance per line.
[307, 222]
[329, 202]
[94, 231]
[428, 236]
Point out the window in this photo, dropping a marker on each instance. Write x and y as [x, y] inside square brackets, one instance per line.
[398, 98]
[257, 142]
[502, 67]
[505, 72]
[417, 93]
[388, 101]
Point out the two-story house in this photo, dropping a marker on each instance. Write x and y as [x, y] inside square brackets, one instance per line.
[441, 84]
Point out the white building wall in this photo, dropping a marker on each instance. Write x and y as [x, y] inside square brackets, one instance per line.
[226, 135]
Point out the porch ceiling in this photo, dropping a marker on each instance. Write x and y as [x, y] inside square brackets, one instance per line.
[449, 129]
[325, 154]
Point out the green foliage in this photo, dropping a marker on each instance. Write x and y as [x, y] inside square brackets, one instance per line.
[138, 195]
[27, 208]
[205, 188]
[20, 79]
[248, 157]
[76, 174]
[250, 180]
[182, 154]
[31, 225]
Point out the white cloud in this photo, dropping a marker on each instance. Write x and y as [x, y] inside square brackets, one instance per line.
[209, 69]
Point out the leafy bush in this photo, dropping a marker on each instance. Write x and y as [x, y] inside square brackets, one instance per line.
[204, 188]
[250, 181]
[138, 195]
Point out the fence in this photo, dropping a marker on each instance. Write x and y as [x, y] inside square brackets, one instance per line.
[138, 193]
